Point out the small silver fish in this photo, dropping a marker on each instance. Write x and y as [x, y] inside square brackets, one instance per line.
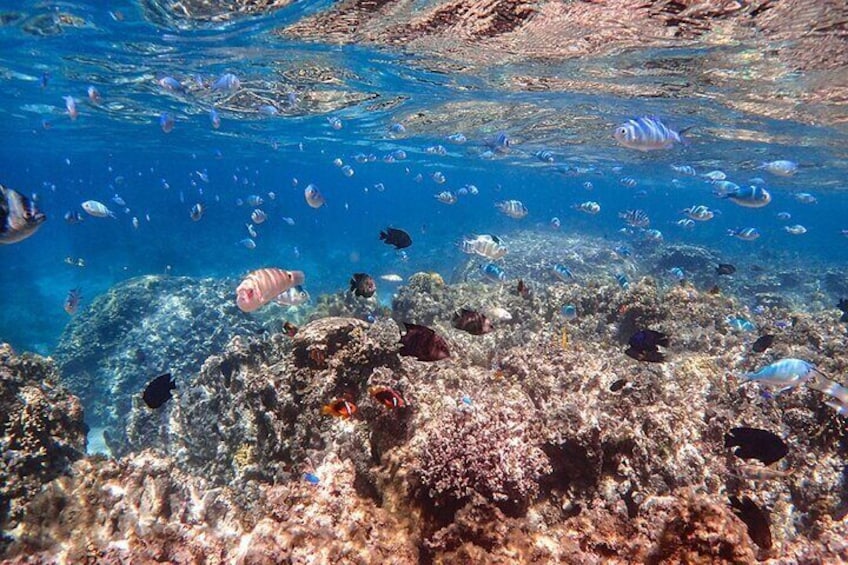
[783, 374]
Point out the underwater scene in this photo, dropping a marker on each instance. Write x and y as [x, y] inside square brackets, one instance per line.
[424, 281]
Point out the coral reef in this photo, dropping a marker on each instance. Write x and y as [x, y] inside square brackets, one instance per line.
[138, 330]
[42, 431]
[541, 441]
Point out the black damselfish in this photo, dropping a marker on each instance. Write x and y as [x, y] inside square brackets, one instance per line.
[753, 443]
[755, 518]
[158, 391]
[399, 238]
[644, 346]
[725, 269]
[763, 342]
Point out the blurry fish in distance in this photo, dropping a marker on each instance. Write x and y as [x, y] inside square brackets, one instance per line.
[19, 218]
[644, 346]
[755, 518]
[423, 343]
[362, 284]
[158, 391]
[73, 217]
[754, 443]
[646, 134]
[72, 301]
[399, 238]
[392, 278]
[725, 269]
[196, 212]
[97, 209]
[762, 343]
[843, 305]
[472, 322]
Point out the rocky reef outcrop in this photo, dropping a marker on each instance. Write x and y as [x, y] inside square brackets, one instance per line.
[42, 432]
[139, 329]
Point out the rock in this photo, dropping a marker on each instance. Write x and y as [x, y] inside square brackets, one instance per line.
[43, 431]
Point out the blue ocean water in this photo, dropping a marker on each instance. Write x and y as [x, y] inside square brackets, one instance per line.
[117, 147]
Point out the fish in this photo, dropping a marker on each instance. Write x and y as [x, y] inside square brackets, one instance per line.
[685, 223]
[618, 385]
[170, 84]
[392, 278]
[158, 391]
[247, 243]
[499, 314]
[843, 305]
[748, 196]
[652, 236]
[166, 122]
[313, 196]
[555, 223]
[97, 209]
[472, 322]
[622, 281]
[227, 82]
[699, 213]
[288, 220]
[446, 197]
[513, 208]
[589, 207]
[762, 343]
[73, 217]
[290, 329]
[677, 273]
[251, 231]
[71, 107]
[568, 311]
[740, 324]
[486, 245]
[254, 200]
[745, 234]
[806, 198]
[72, 301]
[628, 182]
[562, 272]
[196, 212]
[759, 473]
[644, 346]
[214, 118]
[362, 284]
[684, 170]
[781, 167]
[784, 216]
[93, 95]
[635, 218]
[544, 155]
[398, 238]
[340, 408]
[754, 443]
[782, 374]
[258, 216]
[796, 229]
[387, 396]
[423, 343]
[755, 518]
[646, 134]
[116, 198]
[19, 217]
[295, 296]
[493, 272]
[522, 289]
[715, 175]
[263, 285]
[334, 122]
[725, 269]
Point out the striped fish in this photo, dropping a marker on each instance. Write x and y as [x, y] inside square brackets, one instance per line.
[646, 134]
[512, 208]
[263, 285]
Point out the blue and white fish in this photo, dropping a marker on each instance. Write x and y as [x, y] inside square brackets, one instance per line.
[746, 234]
[806, 198]
[749, 196]
[796, 229]
[446, 197]
[635, 218]
[622, 281]
[545, 156]
[715, 175]
[700, 213]
[227, 82]
[562, 272]
[783, 374]
[684, 170]
[590, 207]
[677, 273]
[781, 167]
[740, 324]
[493, 272]
[652, 236]
[685, 223]
[646, 134]
[512, 208]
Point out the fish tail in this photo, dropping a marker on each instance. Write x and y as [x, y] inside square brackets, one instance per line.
[840, 408]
